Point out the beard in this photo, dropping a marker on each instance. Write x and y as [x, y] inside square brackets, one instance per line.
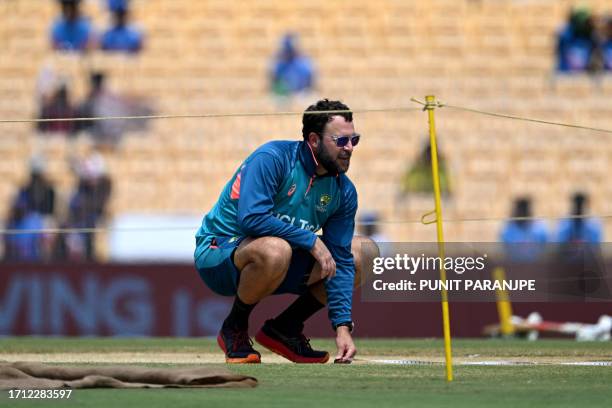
[330, 164]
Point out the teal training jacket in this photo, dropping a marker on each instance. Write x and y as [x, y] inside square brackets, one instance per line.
[275, 192]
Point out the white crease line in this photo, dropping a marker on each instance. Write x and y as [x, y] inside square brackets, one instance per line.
[494, 363]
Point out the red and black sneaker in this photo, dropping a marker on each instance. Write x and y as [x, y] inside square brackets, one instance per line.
[293, 347]
[237, 346]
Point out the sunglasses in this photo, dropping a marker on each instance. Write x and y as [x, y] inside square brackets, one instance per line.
[342, 141]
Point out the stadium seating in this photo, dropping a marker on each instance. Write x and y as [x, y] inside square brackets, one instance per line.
[210, 56]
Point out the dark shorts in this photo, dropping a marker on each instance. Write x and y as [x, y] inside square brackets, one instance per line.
[215, 264]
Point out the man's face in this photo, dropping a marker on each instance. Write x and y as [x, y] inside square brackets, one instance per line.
[333, 158]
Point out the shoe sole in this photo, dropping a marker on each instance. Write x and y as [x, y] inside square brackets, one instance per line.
[279, 348]
[250, 359]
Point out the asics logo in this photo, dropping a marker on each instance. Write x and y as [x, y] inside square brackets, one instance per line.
[291, 190]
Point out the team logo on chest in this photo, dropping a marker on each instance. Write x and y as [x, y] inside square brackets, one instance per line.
[323, 202]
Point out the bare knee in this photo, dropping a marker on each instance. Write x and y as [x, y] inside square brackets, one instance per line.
[276, 252]
[270, 256]
[364, 251]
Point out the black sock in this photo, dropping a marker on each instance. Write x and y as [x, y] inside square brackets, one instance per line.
[239, 315]
[293, 318]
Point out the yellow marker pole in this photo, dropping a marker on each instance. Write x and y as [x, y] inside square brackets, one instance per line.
[504, 307]
[430, 99]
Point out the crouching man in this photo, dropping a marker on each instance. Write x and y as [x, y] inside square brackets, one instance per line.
[259, 239]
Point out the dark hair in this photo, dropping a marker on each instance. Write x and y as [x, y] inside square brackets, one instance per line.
[316, 122]
[522, 209]
[579, 200]
[96, 79]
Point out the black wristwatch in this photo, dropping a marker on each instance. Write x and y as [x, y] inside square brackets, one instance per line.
[350, 325]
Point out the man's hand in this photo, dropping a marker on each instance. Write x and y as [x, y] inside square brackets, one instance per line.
[345, 345]
[322, 255]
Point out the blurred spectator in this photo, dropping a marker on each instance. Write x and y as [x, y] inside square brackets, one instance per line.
[32, 210]
[524, 239]
[24, 244]
[606, 43]
[369, 227]
[101, 102]
[582, 267]
[523, 230]
[71, 31]
[98, 102]
[576, 42]
[580, 229]
[38, 194]
[47, 82]
[57, 106]
[87, 209]
[121, 36]
[419, 178]
[292, 72]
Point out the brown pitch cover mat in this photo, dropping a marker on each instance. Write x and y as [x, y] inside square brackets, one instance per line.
[41, 376]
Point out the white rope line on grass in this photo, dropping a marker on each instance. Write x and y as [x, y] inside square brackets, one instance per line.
[508, 363]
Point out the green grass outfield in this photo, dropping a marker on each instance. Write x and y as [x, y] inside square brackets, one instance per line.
[359, 385]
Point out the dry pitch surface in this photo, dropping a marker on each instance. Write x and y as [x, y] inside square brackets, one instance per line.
[270, 358]
[379, 351]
